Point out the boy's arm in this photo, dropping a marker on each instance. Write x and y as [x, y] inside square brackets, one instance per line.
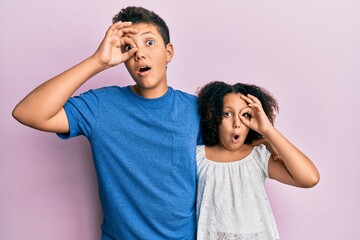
[43, 107]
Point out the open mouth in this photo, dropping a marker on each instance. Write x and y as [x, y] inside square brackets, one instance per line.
[236, 139]
[144, 69]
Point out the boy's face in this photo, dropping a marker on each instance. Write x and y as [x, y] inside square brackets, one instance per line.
[148, 65]
[232, 132]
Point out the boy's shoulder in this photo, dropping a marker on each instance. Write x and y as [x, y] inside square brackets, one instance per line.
[107, 89]
[104, 92]
[184, 95]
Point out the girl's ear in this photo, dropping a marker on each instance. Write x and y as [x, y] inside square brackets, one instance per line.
[169, 52]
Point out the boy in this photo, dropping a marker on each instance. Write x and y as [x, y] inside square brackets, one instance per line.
[143, 137]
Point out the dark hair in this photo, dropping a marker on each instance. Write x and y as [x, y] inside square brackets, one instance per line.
[211, 98]
[142, 15]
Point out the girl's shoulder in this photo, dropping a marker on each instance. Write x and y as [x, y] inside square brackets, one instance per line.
[262, 152]
[261, 155]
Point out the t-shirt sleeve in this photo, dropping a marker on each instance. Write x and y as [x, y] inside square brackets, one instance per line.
[199, 139]
[81, 112]
[263, 156]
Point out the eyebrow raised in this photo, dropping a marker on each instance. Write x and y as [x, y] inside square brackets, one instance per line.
[148, 32]
[231, 108]
[133, 36]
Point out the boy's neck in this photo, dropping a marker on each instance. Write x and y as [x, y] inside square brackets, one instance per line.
[149, 93]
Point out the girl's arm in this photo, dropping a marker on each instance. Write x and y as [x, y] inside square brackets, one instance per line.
[295, 168]
[269, 147]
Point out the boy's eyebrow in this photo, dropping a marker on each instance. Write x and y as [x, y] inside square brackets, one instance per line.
[142, 34]
[148, 32]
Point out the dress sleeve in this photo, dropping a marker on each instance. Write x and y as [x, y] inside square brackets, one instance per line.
[262, 157]
[81, 112]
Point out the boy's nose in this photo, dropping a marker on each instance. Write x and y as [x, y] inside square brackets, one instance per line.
[139, 54]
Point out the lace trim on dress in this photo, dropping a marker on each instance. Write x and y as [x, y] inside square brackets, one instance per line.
[231, 236]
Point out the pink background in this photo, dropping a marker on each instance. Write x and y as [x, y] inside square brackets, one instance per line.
[306, 52]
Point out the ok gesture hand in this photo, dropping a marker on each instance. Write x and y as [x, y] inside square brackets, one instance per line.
[258, 120]
[109, 52]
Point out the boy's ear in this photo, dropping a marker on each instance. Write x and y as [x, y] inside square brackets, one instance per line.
[169, 52]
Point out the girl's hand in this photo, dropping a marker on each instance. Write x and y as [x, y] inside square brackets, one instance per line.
[295, 168]
[258, 120]
[110, 51]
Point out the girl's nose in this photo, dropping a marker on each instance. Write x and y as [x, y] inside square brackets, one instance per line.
[237, 122]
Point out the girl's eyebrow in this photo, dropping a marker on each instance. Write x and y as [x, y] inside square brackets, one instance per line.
[228, 107]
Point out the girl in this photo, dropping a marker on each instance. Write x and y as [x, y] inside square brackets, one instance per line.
[231, 198]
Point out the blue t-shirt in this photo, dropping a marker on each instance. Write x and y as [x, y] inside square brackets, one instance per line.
[144, 153]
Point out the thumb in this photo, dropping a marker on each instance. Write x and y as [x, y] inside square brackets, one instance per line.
[245, 121]
[127, 55]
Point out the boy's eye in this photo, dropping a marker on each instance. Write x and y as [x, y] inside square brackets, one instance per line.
[246, 115]
[227, 114]
[150, 42]
[128, 47]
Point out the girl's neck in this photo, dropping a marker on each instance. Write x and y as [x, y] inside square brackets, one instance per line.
[219, 153]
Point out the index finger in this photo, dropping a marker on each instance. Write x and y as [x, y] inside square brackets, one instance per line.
[126, 30]
[250, 99]
[121, 24]
[120, 27]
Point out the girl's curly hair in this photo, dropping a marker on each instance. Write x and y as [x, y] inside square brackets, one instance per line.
[210, 101]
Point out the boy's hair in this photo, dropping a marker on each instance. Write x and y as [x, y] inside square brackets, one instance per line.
[142, 15]
[211, 99]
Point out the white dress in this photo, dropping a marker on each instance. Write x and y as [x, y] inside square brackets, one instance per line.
[231, 199]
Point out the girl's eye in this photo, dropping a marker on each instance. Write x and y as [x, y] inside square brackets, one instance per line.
[128, 47]
[227, 114]
[246, 115]
[150, 42]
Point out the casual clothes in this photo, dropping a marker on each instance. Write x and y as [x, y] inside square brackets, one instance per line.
[144, 155]
[231, 198]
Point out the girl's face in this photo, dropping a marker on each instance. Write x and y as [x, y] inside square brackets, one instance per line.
[232, 132]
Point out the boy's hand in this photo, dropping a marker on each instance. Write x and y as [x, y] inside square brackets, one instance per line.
[110, 52]
[258, 121]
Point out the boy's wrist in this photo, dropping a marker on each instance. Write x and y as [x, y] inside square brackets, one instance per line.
[97, 64]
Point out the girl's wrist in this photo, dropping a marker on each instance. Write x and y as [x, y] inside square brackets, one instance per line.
[270, 131]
